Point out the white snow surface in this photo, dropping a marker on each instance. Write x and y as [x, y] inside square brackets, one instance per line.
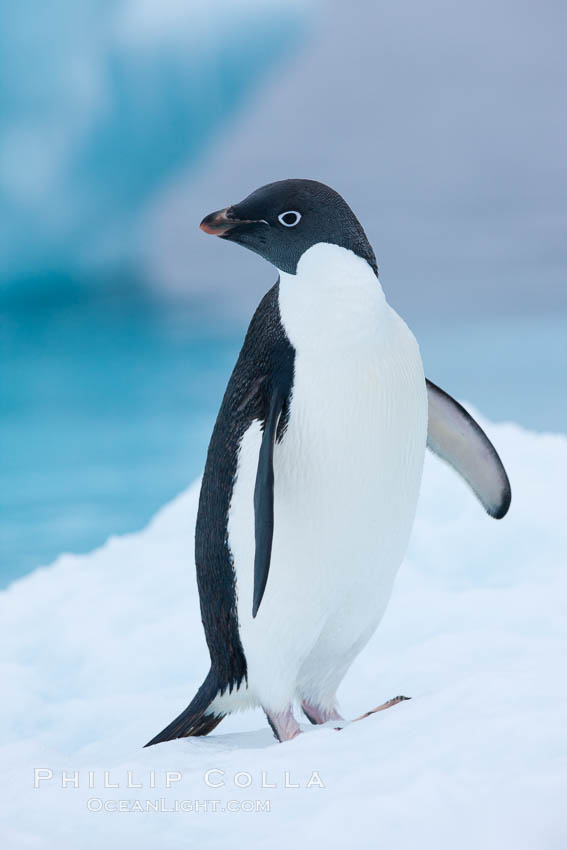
[99, 652]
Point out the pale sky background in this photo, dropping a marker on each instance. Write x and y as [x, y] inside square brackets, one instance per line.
[444, 126]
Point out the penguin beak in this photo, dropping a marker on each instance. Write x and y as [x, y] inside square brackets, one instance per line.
[221, 222]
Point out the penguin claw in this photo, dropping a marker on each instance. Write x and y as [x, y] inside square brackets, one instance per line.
[388, 704]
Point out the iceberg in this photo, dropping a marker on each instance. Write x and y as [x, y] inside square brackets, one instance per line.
[101, 103]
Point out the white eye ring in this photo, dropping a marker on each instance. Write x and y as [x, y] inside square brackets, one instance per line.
[282, 216]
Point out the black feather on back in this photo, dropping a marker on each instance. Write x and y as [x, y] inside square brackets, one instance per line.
[266, 361]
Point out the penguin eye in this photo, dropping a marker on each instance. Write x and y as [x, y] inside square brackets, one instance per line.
[290, 218]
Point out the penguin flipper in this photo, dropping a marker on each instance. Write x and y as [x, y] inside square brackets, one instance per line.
[195, 719]
[456, 438]
[264, 496]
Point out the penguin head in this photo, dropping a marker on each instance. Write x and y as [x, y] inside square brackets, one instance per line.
[282, 220]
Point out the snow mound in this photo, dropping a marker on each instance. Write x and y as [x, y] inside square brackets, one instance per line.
[99, 652]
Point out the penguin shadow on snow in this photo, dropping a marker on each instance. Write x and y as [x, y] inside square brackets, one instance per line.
[260, 739]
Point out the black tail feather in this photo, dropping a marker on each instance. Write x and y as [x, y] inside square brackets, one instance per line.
[194, 720]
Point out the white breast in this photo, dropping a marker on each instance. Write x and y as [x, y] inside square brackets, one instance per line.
[347, 476]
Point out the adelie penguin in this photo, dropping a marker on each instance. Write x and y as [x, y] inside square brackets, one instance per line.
[314, 466]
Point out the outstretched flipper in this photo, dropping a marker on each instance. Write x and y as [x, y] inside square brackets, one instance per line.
[455, 437]
[264, 497]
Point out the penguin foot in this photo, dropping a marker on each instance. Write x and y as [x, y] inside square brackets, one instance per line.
[283, 724]
[388, 704]
[317, 714]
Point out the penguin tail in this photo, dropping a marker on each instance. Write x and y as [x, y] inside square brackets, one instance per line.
[196, 719]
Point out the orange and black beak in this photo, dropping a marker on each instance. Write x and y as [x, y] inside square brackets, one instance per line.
[222, 222]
